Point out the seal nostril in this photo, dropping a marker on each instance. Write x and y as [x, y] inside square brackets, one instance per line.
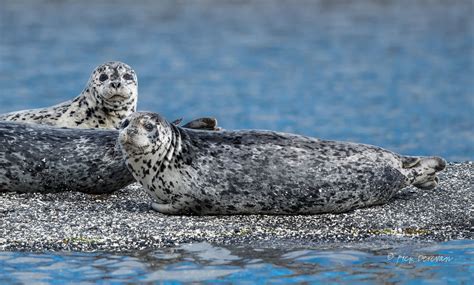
[115, 84]
[131, 132]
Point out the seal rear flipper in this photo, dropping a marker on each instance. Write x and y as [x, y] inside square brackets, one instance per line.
[410, 161]
[422, 174]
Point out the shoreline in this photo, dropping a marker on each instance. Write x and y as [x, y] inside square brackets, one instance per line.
[124, 221]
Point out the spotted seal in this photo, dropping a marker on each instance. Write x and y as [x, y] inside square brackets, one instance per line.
[109, 96]
[262, 172]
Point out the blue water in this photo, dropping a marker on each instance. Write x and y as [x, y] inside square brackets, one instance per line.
[398, 74]
[445, 263]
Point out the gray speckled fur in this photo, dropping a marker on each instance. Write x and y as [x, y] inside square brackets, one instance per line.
[35, 158]
[263, 172]
[39, 158]
[102, 104]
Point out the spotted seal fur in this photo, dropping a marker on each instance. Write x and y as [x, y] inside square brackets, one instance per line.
[262, 172]
[41, 158]
[109, 96]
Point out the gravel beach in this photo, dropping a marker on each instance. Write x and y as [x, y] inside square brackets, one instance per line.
[124, 221]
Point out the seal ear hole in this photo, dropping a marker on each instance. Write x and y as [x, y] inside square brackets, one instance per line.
[127, 76]
[103, 77]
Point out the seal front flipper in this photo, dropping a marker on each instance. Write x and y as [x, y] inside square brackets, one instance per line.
[205, 123]
[173, 209]
[167, 209]
[177, 121]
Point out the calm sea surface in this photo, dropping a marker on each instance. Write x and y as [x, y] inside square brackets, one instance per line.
[444, 263]
[398, 74]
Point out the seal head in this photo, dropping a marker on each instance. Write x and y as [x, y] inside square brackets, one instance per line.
[114, 86]
[144, 133]
[152, 149]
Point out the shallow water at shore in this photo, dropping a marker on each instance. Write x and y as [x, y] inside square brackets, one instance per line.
[202, 262]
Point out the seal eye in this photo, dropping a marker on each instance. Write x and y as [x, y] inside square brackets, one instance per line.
[125, 124]
[127, 76]
[148, 127]
[103, 77]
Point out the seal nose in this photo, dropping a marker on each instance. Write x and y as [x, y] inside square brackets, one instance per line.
[132, 132]
[115, 84]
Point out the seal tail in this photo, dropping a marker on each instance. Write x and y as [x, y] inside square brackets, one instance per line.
[422, 170]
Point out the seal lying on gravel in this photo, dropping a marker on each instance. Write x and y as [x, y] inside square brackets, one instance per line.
[39, 158]
[110, 96]
[262, 172]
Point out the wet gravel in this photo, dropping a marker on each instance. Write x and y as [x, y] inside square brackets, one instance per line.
[123, 221]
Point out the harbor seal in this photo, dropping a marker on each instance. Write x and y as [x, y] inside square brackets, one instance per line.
[262, 172]
[109, 96]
